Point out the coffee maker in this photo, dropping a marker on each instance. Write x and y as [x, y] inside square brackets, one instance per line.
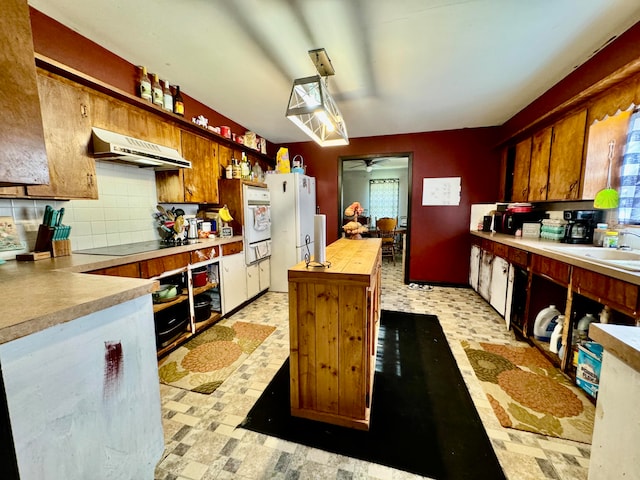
[580, 225]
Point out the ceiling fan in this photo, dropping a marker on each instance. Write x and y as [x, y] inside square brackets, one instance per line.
[365, 163]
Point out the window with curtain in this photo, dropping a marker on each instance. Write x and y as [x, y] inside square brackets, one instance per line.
[629, 207]
[384, 197]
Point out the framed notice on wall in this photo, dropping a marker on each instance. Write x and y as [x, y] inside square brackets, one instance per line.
[441, 191]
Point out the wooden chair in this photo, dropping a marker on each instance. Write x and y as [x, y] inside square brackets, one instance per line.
[386, 228]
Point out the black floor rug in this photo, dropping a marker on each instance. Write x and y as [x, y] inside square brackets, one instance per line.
[422, 417]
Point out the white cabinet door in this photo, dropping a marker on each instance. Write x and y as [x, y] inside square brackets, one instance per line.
[507, 308]
[474, 267]
[234, 281]
[265, 274]
[499, 284]
[253, 280]
[484, 277]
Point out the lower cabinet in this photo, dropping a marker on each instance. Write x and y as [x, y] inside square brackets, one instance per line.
[258, 277]
[234, 281]
[474, 266]
[499, 284]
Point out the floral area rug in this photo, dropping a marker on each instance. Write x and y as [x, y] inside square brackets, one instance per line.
[204, 362]
[528, 393]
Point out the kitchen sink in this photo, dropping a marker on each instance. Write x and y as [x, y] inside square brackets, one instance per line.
[625, 259]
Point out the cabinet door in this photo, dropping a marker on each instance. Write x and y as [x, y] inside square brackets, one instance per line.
[484, 277]
[566, 157]
[521, 166]
[474, 267]
[509, 304]
[253, 280]
[265, 274]
[200, 181]
[596, 166]
[499, 284]
[234, 281]
[67, 129]
[23, 158]
[539, 171]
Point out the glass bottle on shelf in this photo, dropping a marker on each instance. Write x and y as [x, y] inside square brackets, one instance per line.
[167, 98]
[156, 91]
[237, 171]
[244, 166]
[144, 85]
[178, 103]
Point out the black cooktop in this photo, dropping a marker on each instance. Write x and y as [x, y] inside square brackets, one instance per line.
[132, 248]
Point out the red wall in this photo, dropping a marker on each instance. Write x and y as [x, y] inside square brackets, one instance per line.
[439, 235]
[54, 40]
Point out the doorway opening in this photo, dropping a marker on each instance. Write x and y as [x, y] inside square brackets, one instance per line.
[381, 183]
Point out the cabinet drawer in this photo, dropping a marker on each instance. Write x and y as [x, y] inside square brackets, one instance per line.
[518, 257]
[550, 268]
[128, 270]
[231, 248]
[487, 245]
[617, 294]
[203, 254]
[157, 266]
[501, 250]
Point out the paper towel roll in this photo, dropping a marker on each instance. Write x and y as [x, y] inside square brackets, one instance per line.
[320, 238]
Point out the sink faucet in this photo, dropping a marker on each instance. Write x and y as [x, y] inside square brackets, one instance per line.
[623, 234]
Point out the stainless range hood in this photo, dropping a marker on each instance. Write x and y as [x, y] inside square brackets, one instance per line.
[121, 148]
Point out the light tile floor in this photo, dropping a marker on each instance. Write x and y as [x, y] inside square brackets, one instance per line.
[202, 441]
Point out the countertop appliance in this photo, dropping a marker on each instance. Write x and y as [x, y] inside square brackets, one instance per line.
[257, 223]
[293, 206]
[509, 221]
[580, 226]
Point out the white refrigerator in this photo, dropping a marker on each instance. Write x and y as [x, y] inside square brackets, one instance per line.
[293, 206]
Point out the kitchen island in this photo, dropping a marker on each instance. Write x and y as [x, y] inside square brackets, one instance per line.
[334, 314]
[79, 392]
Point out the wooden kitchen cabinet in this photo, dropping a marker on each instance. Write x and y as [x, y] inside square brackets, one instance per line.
[539, 169]
[23, 156]
[596, 164]
[67, 129]
[158, 266]
[617, 294]
[198, 184]
[551, 269]
[521, 167]
[334, 318]
[129, 270]
[566, 157]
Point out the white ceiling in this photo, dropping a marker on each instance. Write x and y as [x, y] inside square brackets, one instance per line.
[401, 66]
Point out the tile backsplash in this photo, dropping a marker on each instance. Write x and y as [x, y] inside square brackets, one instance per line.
[122, 214]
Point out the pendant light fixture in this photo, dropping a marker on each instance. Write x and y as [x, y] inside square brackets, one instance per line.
[312, 108]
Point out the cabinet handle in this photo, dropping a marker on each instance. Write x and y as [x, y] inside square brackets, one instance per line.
[90, 179]
[83, 111]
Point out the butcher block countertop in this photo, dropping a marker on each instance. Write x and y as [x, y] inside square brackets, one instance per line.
[44, 293]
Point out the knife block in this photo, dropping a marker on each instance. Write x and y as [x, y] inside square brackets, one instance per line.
[61, 248]
[43, 240]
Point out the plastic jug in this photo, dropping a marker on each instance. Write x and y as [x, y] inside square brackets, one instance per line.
[545, 322]
[582, 329]
[556, 337]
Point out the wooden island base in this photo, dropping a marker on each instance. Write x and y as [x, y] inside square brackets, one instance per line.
[334, 315]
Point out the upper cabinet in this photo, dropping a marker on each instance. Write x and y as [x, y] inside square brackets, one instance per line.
[198, 184]
[539, 170]
[23, 158]
[567, 146]
[596, 167]
[67, 128]
[547, 166]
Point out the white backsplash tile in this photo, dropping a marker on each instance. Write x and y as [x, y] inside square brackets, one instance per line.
[122, 214]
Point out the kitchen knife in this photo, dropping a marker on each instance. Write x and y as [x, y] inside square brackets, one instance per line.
[60, 214]
[48, 210]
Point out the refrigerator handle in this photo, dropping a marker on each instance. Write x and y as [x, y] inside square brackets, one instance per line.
[284, 186]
